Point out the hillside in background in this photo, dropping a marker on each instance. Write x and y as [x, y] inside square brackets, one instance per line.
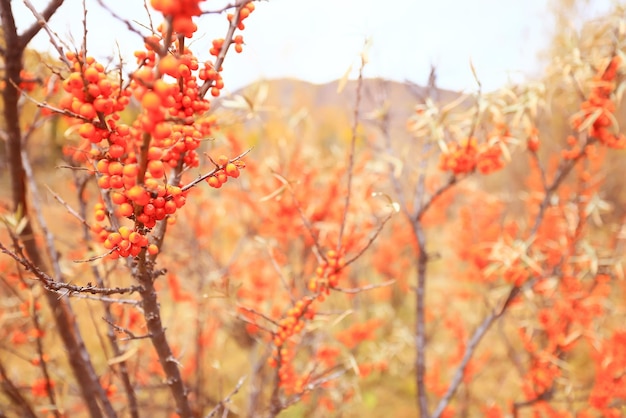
[326, 104]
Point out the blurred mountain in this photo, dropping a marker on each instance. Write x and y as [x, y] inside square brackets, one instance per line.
[327, 103]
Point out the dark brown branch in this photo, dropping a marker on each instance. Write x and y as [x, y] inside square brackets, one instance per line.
[131, 335]
[52, 37]
[42, 20]
[14, 394]
[50, 284]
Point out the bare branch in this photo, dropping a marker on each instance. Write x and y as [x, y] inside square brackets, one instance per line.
[50, 284]
[226, 400]
[42, 20]
[212, 172]
[355, 125]
[52, 37]
[365, 287]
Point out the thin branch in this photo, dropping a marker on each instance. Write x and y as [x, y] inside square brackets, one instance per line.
[52, 37]
[370, 241]
[50, 284]
[223, 403]
[14, 394]
[131, 335]
[42, 18]
[261, 314]
[238, 3]
[452, 180]
[355, 125]
[212, 172]
[69, 208]
[228, 40]
[365, 287]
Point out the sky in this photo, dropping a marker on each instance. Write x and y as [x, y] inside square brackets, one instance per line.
[318, 40]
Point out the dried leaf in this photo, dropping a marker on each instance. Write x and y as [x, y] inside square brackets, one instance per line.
[344, 80]
[123, 357]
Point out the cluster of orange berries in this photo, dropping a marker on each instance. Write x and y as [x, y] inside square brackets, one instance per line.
[126, 242]
[92, 95]
[600, 100]
[182, 12]
[327, 274]
[131, 162]
[293, 322]
[282, 355]
[225, 168]
[467, 155]
[28, 81]
[244, 12]
[212, 74]
[532, 139]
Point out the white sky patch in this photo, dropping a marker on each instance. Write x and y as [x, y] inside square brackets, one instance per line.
[316, 40]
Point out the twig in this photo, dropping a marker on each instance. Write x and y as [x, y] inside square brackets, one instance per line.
[228, 40]
[50, 284]
[365, 287]
[229, 6]
[370, 241]
[131, 335]
[222, 403]
[355, 126]
[212, 172]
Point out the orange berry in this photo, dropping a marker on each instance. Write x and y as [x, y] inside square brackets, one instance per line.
[126, 209]
[124, 232]
[130, 170]
[87, 130]
[114, 238]
[214, 182]
[92, 75]
[169, 65]
[232, 170]
[87, 111]
[118, 198]
[104, 182]
[115, 168]
[151, 101]
[221, 176]
[156, 168]
[222, 160]
[155, 153]
[116, 151]
[153, 249]
[170, 207]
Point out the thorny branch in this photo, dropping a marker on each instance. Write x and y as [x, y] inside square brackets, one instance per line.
[50, 284]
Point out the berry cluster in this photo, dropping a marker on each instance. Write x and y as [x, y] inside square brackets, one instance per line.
[601, 106]
[212, 74]
[224, 169]
[282, 355]
[182, 12]
[468, 155]
[131, 162]
[327, 274]
[244, 12]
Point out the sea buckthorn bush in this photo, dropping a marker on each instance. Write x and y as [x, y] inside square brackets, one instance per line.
[194, 256]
